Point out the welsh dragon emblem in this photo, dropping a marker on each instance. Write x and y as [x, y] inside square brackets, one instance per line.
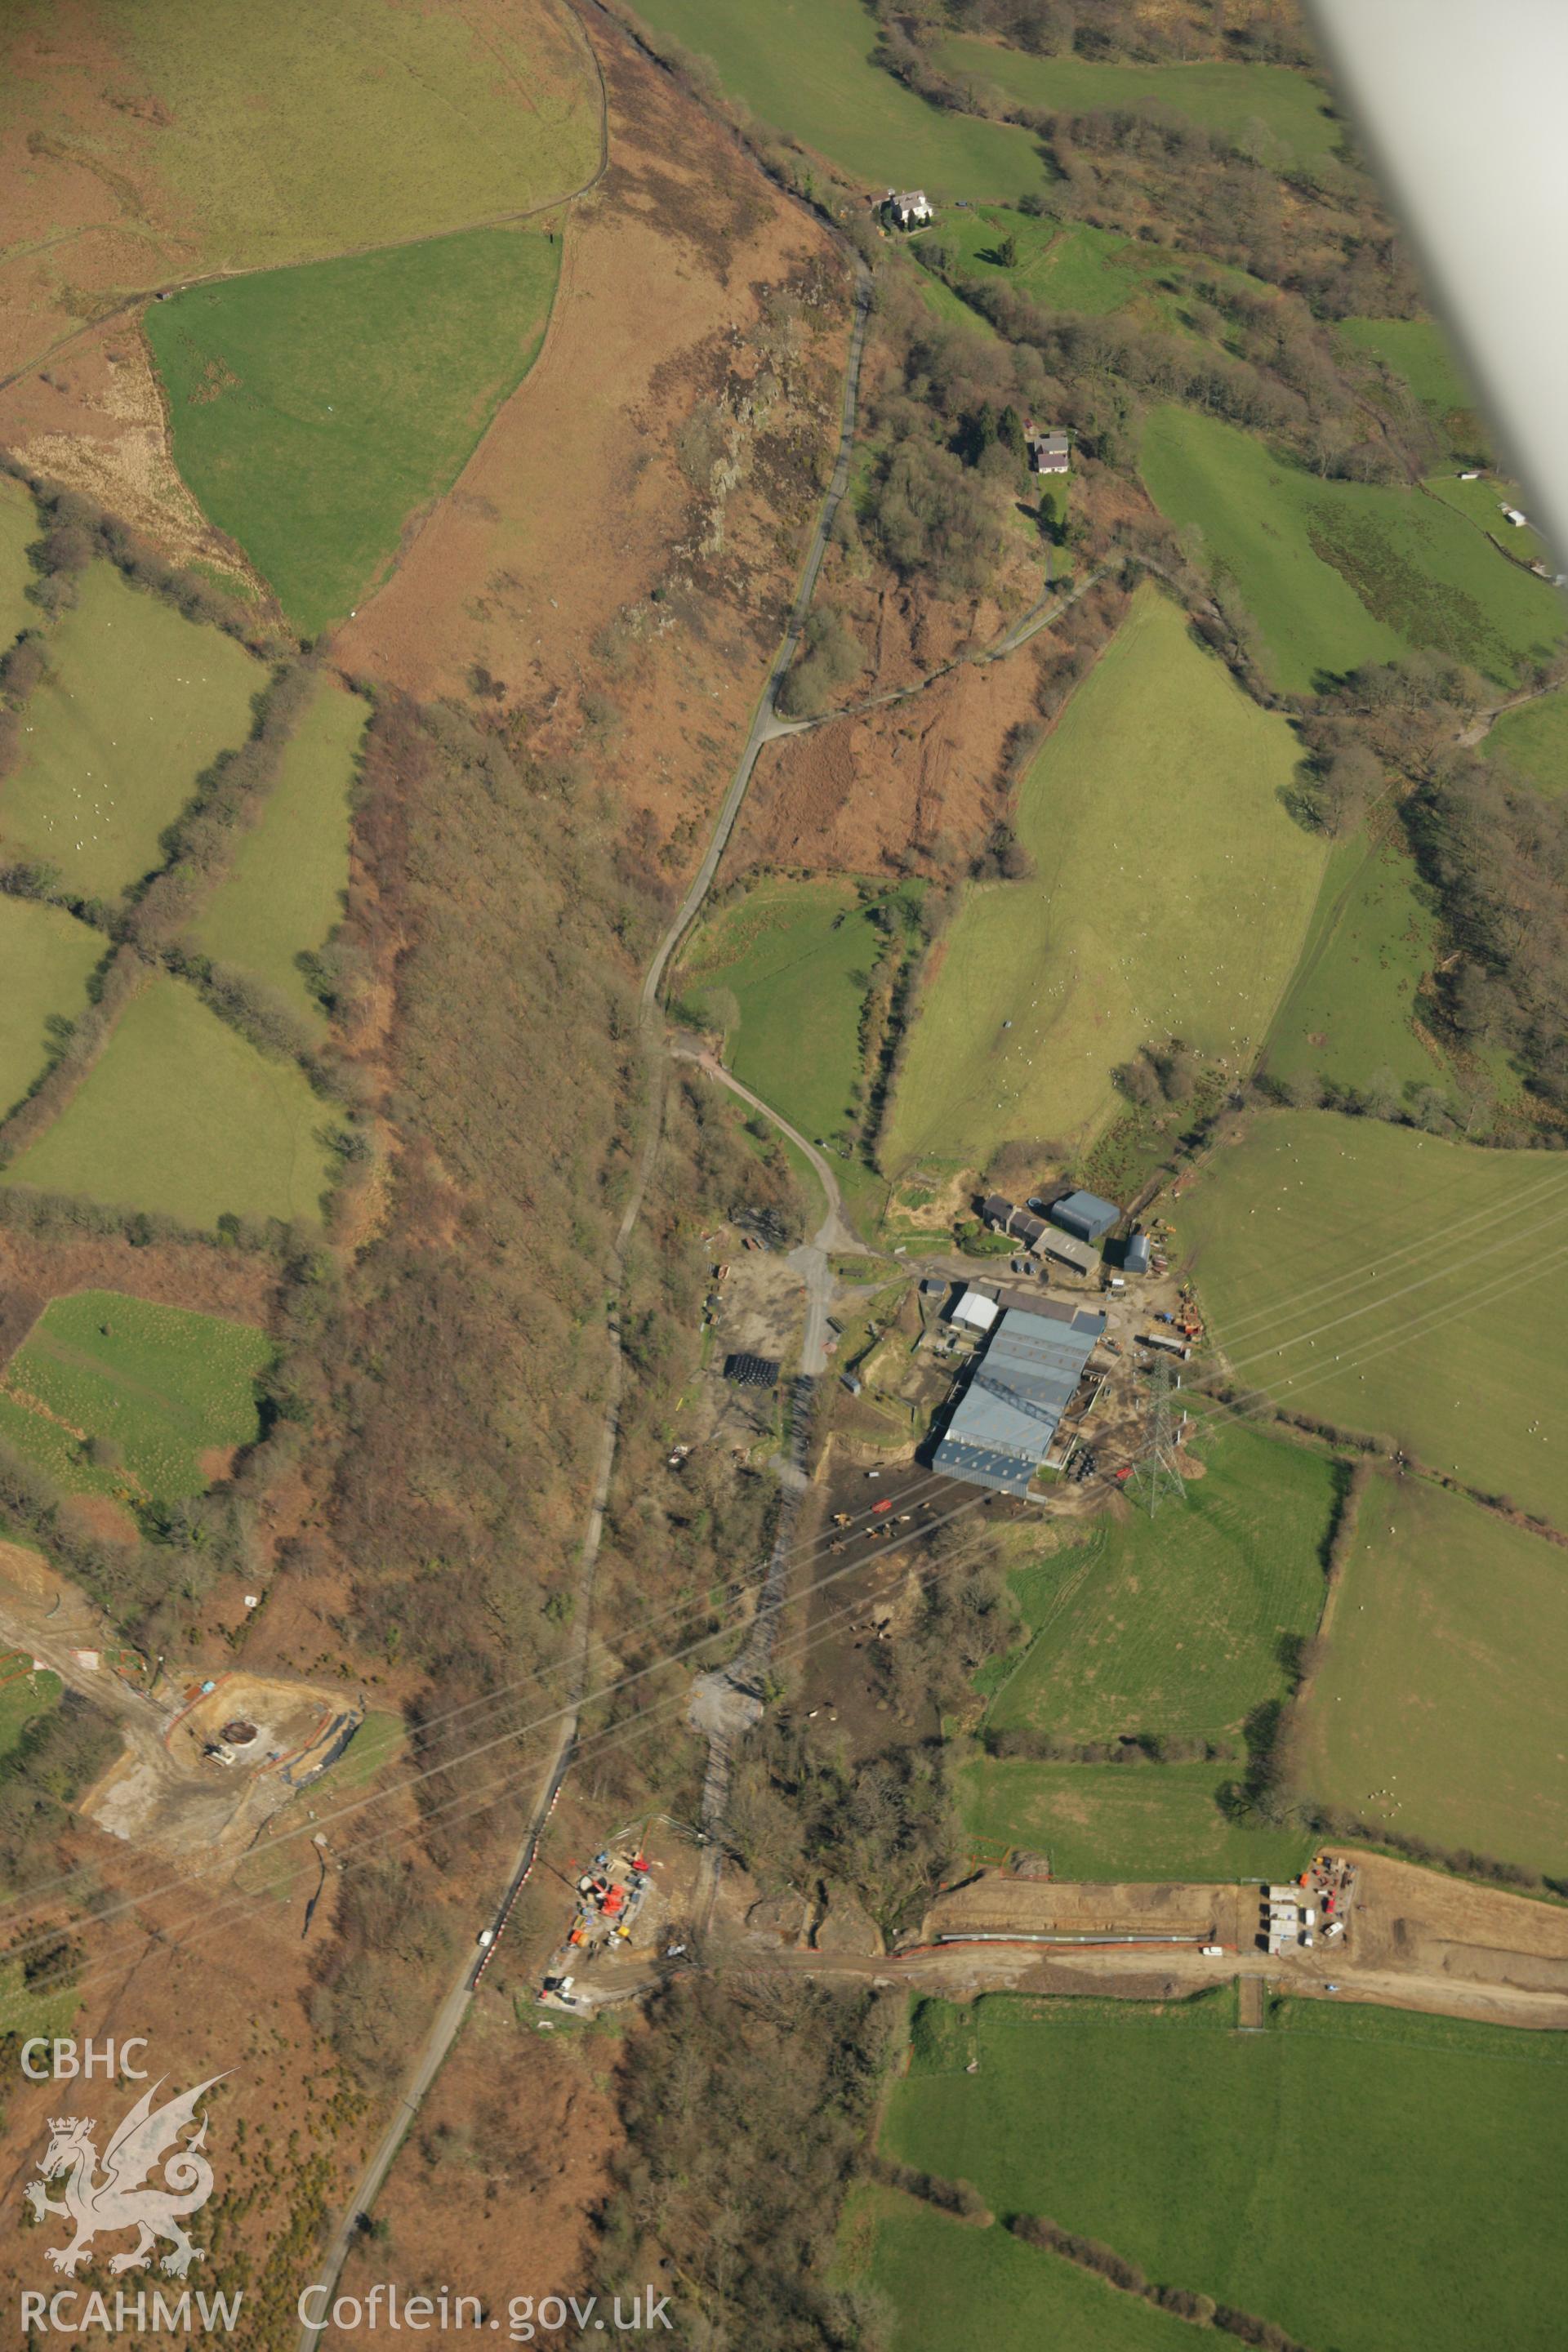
[121, 2196]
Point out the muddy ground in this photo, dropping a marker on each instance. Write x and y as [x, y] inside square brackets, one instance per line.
[1414, 1937]
[998, 1902]
[167, 1792]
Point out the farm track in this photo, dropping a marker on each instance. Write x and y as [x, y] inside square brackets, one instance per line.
[1038, 617]
[960, 1971]
[449, 2018]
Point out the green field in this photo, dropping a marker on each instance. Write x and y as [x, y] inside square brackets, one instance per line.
[1348, 1014]
[1066, 265]
[1272, 110]
[45, 959]
[181, 1115]
[1175, 1625]
[1337, 574]
[313, 410]
[137, 704]
[951, 2286]
[1481, 503]
[1393, 1282]
[1131, 1821]
[159, 1384]
[1469, 1736]
[1534, 741]
[18, 529]
[296, 130]
[1170, 896]
[804, 67]
[1420, 355]
[1365, 2179]
[795, 959]
[284, 892]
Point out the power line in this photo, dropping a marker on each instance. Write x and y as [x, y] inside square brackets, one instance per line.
[1156, 1474]
[1441, 1314]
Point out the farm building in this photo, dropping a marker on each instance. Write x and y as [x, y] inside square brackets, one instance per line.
[1135, 1257]
[1049, 453]
[1085, 1214]
[1002, 1429]
[1078, 1256]
[975, 1309]
[1004, 1217]
[913, 209]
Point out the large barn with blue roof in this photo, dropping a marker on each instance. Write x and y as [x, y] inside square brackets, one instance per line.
[1005, 1420]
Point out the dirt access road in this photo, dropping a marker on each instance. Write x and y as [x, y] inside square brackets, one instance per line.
[1162, 1972]
[454, 2008]
[835, 1234]
[1417, 1940]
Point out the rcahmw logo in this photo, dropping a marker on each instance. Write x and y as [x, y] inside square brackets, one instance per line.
[153, 2175]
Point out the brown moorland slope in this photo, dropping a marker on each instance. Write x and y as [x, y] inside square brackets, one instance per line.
[143, 148]
[903, 789]
[613, 565]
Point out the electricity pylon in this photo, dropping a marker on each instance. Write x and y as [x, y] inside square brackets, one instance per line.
[1155, 1475]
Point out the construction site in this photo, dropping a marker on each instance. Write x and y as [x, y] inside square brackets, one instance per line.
[205, 1762]
[627, 1904]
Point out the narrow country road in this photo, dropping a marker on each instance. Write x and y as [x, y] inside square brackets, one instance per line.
[448, 2019]
[766, 724]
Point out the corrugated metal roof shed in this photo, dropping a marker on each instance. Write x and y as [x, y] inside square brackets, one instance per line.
[1086, 1214]
[972, 1308]
[1007, 1418]
[1136, 1256]
[1079, 1255]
